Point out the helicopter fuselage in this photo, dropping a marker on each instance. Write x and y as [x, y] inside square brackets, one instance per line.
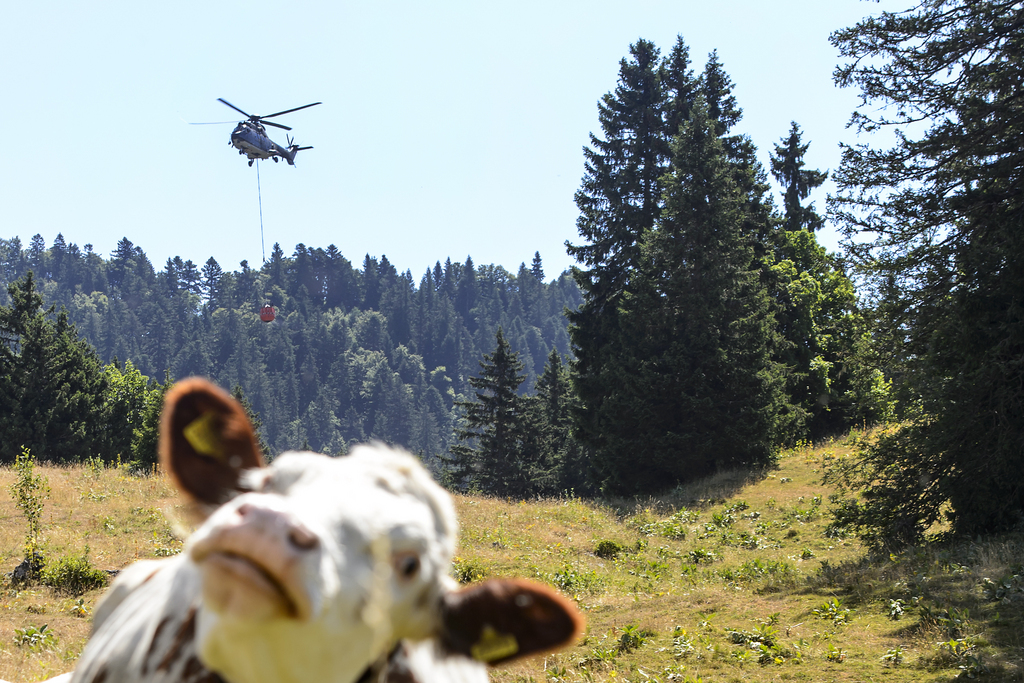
[251, 140]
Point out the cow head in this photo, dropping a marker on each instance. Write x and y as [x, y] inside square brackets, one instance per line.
[315, 568]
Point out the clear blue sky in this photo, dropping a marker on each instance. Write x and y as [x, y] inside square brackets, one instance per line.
[446, 129]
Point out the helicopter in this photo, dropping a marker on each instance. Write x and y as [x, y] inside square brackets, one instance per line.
[250, 136]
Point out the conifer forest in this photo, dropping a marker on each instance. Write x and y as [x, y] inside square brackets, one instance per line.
[703, 328]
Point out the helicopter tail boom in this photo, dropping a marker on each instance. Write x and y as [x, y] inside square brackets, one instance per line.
[289, 152]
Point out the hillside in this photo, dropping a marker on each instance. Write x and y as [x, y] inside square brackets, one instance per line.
[354, 353]
[730, 579]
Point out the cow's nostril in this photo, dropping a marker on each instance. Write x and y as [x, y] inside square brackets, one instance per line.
[302, 538]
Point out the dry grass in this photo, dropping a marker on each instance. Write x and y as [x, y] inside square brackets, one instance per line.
[736, 557]
[730, 558]
[116, 516]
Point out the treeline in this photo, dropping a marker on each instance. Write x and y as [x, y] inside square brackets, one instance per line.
[354, 353]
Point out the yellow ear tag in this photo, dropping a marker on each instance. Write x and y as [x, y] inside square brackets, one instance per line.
[201, 433]
[493, 646]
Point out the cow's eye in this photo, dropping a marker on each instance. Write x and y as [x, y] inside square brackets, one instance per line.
[407, 565]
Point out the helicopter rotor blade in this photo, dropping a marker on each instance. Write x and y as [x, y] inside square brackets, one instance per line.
[275, 125]
[208, 123]
[223, 101]
[287, 111]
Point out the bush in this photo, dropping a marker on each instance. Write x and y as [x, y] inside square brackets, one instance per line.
[609, 550]
[73, 575]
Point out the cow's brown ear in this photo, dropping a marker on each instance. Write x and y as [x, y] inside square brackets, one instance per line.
[206, 440]
[503, 619]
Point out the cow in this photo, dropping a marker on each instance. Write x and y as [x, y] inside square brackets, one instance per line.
[312, 569]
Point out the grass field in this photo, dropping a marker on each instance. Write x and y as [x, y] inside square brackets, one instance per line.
[734, 578]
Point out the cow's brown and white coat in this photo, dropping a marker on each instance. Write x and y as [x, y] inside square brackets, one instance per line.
[331, 570]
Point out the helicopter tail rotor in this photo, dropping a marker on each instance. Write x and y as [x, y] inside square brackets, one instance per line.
[293, 149]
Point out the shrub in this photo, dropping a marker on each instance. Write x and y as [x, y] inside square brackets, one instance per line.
[609, 550]
[703, 556]
[682, 643]
[833, 611]
[73, 575]
[673, 528]
[835, 654]
[571, 580]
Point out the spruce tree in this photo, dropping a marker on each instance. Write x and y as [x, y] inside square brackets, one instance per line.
[699, 390]
[254, 419]
[640, 350]
[797, 182]
[495, 462]
[620, 197]
[936, 223]
[564, 458]
[831, 383]
[51, 382]
[619, 202]
[679, 85]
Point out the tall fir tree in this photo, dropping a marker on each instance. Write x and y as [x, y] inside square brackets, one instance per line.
[797, 182]
[830, 379]
[565, 458]
[633, 370]
[51, 382]
[619, 202]
[699, 389]
[494, 423]
[936, 223]
[620, 197]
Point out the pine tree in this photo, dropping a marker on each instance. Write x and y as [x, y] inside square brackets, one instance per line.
[254, 419]
[797, 182]
[51, 383]
[645, 370]
[494, 423]
[936, 222]
[210, 282]
[830, 383]
[680, 87]
[697, 386]
[620, 197]
[537, 267]
[564, 458]
[37, 256]
[619, 203]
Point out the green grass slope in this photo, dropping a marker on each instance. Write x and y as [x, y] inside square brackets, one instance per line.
[737, 579]
[733, 578]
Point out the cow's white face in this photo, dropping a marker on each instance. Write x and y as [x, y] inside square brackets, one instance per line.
[312, 570]
[326, 561]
